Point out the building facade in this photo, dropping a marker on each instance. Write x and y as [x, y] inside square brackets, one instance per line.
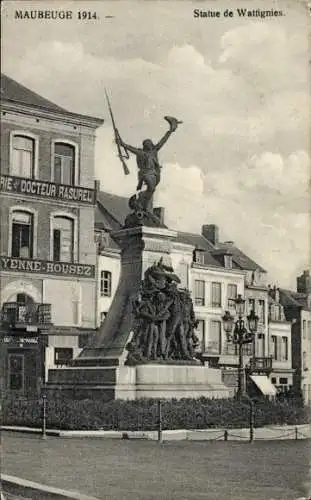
[48, 252]
[297, 310]
[280, 344]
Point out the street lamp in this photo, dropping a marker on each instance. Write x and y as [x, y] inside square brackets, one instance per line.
[238, 334]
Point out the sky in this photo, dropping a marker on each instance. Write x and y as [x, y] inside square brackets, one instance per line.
[241, 86]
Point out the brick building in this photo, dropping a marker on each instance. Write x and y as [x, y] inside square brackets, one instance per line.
[48, 253]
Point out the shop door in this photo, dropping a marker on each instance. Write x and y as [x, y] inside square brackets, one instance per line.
[16, 373]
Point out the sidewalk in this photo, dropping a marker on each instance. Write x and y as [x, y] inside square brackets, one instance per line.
[260, 433]
[16, 488]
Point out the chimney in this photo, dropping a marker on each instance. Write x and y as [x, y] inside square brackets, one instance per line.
[159, 212]
[211, 233]
[304, 282]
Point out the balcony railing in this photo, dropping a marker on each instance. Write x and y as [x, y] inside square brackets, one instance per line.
[263, 364]
[20, 316]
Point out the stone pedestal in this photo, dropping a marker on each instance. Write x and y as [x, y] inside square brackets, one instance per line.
[100, 371]
[141, 381]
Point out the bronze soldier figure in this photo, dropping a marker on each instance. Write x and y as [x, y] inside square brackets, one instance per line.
[149, 168]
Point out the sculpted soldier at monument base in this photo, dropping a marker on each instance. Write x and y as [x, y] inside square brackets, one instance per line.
[164, 320]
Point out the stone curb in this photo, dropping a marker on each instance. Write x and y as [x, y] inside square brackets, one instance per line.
[260, 433]
[14, 485]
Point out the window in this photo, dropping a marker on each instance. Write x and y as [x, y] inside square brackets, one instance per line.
[63, 355]
[102, 317]
[304, 329]
[228, 261]
[260, 345]
[16, 372]
[273, 380]
[247, 349]
[232, 295]
[64, 156]
[216, 294]
[309, 330]
[251, 305]
[261, 310]
[63, 239]
[231, 349]
[22, 235]
[198, 256]
[304, 361]
[273, 347]
[25, 308]
[284, 349]
[22, 156]
[283, 381]
[214, 341]
[105, 283]
[200, 333]
[199, 292]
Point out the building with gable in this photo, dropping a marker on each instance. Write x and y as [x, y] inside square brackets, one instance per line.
[48, 253]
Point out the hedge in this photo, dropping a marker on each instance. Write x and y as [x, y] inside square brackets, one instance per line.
[142, 414]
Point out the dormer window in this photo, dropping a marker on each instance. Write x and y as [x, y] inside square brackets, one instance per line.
[198, 256]
[228, 261]
[64, 163]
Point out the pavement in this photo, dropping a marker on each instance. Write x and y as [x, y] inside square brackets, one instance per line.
[142, 469]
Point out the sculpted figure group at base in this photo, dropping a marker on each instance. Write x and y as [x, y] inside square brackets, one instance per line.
[165, 323]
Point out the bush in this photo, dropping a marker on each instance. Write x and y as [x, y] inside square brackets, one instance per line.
[142, 414]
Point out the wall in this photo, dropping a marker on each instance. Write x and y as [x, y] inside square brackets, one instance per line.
[207, 312]
[281, 329]
[182, 256]
[48, 131]
[107, 262]
[252, 292]
[305, 332]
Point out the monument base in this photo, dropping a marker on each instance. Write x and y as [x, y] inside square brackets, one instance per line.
[135, 382]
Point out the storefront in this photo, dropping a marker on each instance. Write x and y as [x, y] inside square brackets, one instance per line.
[24, 327]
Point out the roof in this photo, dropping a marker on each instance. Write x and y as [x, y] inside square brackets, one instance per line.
[291, 298]
[114, 208]
[101, 219]
[197, 240]
[240, 258]
[200, 243]
[13, 91]
[111, 213]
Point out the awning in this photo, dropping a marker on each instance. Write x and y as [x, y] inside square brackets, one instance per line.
[264, 385]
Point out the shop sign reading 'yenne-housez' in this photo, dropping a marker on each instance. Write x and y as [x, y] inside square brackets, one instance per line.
[47, 267]
[43, 189]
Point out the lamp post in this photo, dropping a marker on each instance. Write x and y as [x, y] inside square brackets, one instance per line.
[238, 334]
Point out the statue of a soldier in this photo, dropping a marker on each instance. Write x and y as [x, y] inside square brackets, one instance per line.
[149, 169]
